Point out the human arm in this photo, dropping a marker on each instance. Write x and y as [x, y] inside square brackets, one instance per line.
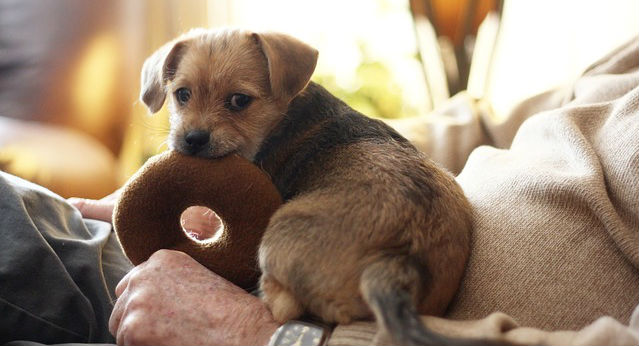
[452, 131]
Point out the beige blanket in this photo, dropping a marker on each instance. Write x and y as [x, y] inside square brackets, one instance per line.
[556, 236]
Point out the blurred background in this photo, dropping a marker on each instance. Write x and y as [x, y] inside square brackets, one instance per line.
[69, 69]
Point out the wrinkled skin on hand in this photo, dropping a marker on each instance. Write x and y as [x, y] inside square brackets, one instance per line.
[173, 300]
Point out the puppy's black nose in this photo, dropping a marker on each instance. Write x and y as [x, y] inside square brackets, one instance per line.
[196, 140]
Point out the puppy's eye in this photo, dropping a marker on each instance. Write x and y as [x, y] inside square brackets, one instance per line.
[183, 95]
[238, 102]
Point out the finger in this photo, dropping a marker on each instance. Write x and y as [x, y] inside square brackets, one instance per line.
[199, 230]
[117, 313]
[123, 292]
[124, 282]
[200, 222]
[214, 221]
[114, 195]
[122, 285]
[92, 209]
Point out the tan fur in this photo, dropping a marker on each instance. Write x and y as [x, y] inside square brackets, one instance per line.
[352, 223]
[324, 262]
[215, 64]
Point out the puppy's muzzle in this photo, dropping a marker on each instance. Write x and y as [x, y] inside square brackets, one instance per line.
[196, 141]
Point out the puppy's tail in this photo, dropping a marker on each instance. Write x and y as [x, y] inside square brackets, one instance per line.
[392, 286]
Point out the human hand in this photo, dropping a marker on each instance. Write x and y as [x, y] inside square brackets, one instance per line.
[199, 222]
[172, 300]
[101, 209]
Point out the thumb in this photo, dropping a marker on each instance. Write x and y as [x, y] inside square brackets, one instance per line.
[200, 222]
[94, 209]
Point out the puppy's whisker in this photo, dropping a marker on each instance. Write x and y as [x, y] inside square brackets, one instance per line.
[156, 129]
[163, 143]
[148, 124]
[153, 131]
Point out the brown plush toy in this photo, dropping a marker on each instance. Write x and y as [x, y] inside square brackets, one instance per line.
[147, 215]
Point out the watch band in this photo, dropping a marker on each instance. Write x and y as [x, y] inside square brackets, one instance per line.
[299, 333]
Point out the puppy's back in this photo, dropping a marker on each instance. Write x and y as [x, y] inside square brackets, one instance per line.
[357, 193]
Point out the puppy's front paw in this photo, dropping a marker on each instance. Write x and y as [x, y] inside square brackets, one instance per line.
[280, 300]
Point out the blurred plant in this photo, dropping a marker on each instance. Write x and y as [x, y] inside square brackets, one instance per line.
[375, 92]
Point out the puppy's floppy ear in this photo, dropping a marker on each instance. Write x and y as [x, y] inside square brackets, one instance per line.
[157, 70]
[291, 63]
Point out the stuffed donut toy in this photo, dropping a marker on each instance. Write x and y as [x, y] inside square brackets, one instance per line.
[147, 215]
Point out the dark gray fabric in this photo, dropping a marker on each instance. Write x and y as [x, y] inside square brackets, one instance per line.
[58, 272]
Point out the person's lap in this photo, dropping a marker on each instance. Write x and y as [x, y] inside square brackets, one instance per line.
[58, 271]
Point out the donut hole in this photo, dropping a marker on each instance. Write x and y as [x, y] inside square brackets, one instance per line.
[201, 224]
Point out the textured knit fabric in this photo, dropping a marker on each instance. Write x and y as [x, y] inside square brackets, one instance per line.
[556, 227]
[556, 231]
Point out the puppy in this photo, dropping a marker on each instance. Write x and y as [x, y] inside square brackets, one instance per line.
[370, 227]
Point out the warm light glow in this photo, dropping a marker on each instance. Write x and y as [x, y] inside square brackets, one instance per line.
[481, 63]
[434, 66]
[24, 161]
[40, 161]
[547, 43]
[338, 29]
[94, 82]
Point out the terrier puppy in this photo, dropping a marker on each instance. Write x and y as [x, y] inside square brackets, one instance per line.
[370, 227]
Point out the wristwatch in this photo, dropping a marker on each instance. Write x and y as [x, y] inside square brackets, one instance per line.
[299, 333]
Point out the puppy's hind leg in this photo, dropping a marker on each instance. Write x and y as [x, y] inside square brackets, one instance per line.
[283, 304]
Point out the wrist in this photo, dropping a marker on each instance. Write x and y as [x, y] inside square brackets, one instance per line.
[265, 332]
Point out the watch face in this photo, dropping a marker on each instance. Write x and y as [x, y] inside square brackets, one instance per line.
[299, 334]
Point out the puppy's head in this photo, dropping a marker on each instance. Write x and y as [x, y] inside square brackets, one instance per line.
[227, 89]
